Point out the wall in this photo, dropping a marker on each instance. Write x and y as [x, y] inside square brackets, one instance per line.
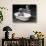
[23, 29]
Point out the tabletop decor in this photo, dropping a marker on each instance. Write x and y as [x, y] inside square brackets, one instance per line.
[7, 28]
[1, 14]
[13, 36]
[39, 34]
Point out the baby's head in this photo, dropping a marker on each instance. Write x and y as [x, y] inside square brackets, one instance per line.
[20, 9]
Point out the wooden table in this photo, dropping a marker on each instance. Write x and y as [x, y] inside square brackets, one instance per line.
[24, 42]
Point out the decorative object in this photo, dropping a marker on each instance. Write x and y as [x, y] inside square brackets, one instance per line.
[32, 36]
[3, 8]
[39, 34]
[13, 36]
[1, 15]
[7, 28]
[24, 13]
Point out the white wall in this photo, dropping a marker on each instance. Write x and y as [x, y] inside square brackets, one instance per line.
[23, 29]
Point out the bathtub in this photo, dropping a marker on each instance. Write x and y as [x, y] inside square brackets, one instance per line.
[25, 16]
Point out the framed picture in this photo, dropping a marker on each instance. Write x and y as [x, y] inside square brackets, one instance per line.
[24, 13]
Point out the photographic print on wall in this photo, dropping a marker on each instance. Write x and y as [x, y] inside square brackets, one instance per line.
[24, 13]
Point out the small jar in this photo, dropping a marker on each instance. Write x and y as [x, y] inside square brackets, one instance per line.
[13, 36]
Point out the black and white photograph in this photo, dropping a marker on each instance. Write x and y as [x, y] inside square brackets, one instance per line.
[24, 13]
